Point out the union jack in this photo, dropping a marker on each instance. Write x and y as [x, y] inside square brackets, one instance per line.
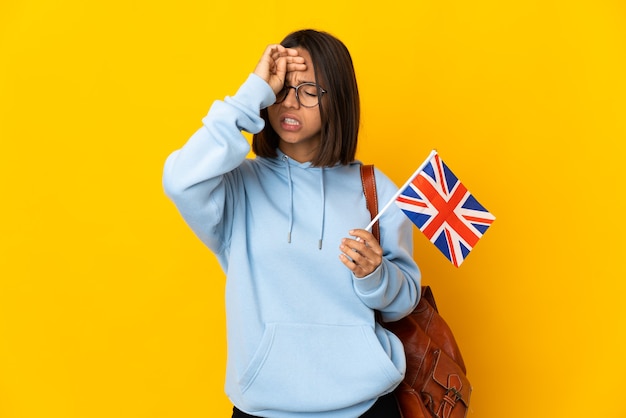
[444, 210]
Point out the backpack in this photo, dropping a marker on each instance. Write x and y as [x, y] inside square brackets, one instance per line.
[435, 384]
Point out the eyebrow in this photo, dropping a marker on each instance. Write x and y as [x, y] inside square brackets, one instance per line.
[298, 82]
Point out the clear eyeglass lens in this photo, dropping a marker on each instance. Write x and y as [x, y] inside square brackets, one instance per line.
[308, 94]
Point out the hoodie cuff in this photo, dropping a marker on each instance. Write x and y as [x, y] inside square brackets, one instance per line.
[371, 282]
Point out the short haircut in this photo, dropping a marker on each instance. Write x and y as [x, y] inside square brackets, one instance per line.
[339, 107]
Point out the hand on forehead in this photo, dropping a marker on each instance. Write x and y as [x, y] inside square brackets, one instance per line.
[302, 76]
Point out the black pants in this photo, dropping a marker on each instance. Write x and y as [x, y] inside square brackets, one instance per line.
[385, 407]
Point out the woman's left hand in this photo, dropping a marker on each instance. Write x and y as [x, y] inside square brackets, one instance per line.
[362, 255]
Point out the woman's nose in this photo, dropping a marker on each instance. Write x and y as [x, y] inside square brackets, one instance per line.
[291, 100]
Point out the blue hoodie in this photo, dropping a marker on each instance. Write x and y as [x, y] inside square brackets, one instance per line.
[302, 336]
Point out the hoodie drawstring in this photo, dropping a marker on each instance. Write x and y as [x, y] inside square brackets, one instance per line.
[286, 159]
[323, 196]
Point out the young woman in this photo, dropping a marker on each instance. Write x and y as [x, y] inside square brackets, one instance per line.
[303, 279]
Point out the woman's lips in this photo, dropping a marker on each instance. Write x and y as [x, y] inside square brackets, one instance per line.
[289, 123]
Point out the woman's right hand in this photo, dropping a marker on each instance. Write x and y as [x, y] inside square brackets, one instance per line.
[276, 62]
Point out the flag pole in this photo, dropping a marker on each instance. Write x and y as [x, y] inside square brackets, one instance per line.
[400, 190]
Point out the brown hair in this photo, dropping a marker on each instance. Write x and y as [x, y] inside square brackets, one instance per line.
[340, 107]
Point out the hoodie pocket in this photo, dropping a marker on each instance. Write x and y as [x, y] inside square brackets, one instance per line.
[309, 368]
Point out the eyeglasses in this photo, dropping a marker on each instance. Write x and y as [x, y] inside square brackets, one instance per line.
[307, 94]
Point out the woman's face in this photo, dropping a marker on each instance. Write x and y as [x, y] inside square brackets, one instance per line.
[298, 127]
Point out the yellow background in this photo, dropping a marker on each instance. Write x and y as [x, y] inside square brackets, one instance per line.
[110, 307]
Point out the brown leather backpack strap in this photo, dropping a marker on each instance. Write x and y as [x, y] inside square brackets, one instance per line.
[371, 198]
[427, 294]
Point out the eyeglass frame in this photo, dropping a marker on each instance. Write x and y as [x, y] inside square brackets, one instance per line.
[319, 88]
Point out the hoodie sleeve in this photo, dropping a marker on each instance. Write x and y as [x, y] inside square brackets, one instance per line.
[200, 177]
[394, 287]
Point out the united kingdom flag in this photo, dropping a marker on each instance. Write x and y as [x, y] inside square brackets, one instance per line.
[444, 210]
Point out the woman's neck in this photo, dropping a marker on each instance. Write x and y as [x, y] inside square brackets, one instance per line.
[298, 152]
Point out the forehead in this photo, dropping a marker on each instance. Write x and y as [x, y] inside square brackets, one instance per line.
[307, 76]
